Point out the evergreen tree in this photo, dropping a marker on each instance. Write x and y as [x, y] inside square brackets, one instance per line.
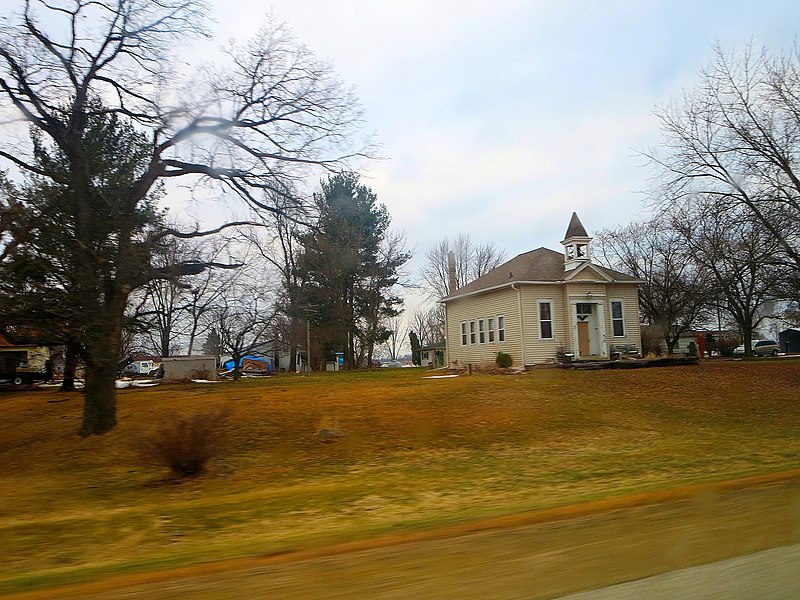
[212, 345]
[349, 265]
[79, 251]
[416, 360]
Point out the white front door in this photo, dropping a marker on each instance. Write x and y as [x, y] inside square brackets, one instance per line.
[589, 329]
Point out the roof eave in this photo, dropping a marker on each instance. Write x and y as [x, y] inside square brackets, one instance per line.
[447, 299]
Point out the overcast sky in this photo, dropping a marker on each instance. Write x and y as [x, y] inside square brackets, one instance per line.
[498, 119]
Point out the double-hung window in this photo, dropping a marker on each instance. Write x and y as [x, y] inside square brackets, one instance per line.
[491, 329]
[501, 328]
[546, 319]
[463, 333]
[617, 320]
[482, 331]
[472, 332]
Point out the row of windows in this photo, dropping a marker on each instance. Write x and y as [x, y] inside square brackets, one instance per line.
[477, 332]
[482, 330]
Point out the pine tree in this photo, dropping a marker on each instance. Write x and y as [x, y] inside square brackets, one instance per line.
[347, 272]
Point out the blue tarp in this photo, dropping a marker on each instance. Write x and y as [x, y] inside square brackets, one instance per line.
[229, 365]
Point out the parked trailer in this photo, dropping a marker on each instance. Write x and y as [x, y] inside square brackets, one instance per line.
[23, 365]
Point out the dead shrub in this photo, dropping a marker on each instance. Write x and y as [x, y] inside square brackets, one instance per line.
[329, 430]
[491, 368]
[184, 444]
[203, 374]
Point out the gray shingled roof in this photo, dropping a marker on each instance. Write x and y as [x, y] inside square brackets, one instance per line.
[576, 228]
[541, 264]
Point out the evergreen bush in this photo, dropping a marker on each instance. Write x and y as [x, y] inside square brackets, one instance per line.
[504, 360]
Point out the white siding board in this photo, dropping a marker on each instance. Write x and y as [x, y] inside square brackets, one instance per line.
[482, 306]
[629, 295]
[538, 350]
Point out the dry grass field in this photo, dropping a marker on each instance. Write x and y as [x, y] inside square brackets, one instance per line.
[407, 453]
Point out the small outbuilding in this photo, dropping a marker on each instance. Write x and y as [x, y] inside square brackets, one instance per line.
[178, 368]
[432, 355]
[789, 340]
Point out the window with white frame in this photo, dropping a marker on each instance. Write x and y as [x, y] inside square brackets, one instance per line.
[491, 329]
[617, 320]
[501, 328]
[546, 319]
[463, 333]
[472, 332]
[482, 331]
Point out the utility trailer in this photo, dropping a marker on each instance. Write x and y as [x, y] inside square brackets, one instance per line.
[23, 365]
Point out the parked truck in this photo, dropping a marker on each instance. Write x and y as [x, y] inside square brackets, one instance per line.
[23, 365]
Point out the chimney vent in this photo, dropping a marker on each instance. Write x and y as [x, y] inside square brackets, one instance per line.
[451, 272]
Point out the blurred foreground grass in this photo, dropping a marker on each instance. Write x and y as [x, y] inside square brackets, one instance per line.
[409, 453]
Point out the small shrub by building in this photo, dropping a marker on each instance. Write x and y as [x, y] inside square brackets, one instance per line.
[504, 360]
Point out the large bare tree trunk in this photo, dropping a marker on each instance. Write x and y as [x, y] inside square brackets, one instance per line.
[102, 361]
[70, 364]
[100, 404]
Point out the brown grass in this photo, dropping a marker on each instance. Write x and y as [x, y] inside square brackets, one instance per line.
[409, 453]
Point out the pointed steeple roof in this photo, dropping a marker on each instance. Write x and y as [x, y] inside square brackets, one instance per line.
[575, 228]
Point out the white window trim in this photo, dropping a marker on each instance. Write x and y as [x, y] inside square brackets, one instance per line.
[551, 320]
[491, 336]
[481, 331]
[501, 331]
[473, 333]
[464, 333]
[621, 319]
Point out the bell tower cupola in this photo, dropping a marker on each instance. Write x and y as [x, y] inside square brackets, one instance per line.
[577, 245]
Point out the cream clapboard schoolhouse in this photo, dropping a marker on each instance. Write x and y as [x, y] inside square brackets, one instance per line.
[542, 305]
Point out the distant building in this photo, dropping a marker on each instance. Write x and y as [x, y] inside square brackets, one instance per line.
[432, 355]
[789, 340]
[24, 363]
[542, 305]
[178, 368]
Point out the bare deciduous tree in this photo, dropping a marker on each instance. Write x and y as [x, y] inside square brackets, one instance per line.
[675, 293]
[428, 324]
[739, 255]
[243, 319]
[398, 332]
[472, 261]
[735, 140]
[170, 313]
[277, 243]
[253, 124]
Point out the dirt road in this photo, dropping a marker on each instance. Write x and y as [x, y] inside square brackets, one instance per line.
[534, 560]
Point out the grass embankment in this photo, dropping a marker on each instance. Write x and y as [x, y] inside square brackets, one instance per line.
[414, 453]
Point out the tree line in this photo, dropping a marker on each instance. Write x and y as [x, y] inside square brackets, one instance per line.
[724, 239]
[105, 120]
